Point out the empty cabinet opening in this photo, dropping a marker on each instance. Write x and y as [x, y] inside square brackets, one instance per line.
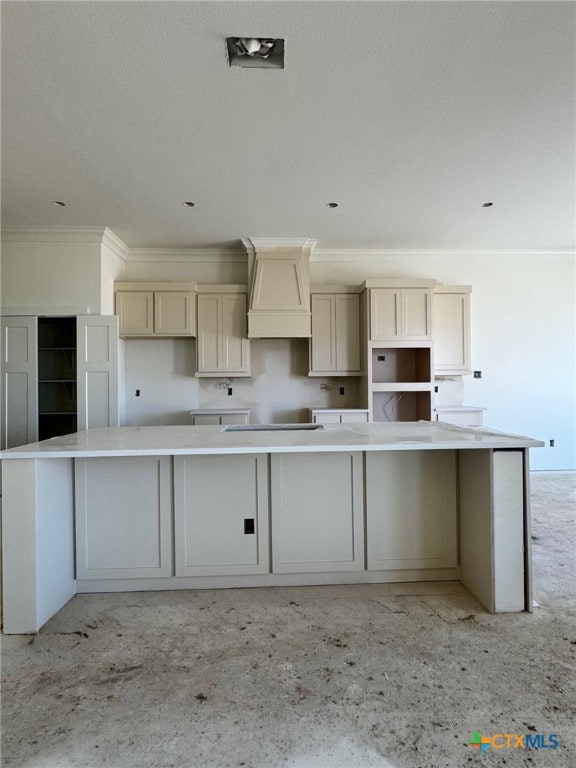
[403, 364]
[401, 406]
[57, 405]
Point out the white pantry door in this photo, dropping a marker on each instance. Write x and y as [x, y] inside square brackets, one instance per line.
[97, 371]
[19, 381]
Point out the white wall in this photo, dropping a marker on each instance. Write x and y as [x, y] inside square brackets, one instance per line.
[52, 278]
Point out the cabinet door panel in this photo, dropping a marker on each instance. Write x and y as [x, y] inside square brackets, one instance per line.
[347, 334]
[411, 509]
[212, 535]
[209, 334]
[317, 526]
[235, 344]
[136, 312]
[97, 371]
[174, 313]
[452, 333]
[385, 314]
[323, 357]
[416, 314]
[19, 381]
[123, 523]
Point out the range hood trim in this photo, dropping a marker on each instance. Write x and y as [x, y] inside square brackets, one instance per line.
[274, 262]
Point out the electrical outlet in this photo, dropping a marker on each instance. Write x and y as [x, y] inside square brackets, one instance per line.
[342, 391]
[381, 358]
[229, 390]
[436, 389]
[477, 374]
[137, 393]
[551, 443]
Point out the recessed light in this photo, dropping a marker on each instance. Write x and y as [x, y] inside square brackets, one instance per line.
[58, 203]
[487, 205]
[188, 204]
[332, 205]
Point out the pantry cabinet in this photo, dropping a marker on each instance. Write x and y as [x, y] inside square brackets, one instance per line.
[335, 343]
[221, 515]
[59, 375]
[156, 309]
[223, 347]
[451, 312]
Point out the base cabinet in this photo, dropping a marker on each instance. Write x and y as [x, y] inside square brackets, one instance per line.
[411, 510]
[221, 515]
[123, 517]
[317, 525]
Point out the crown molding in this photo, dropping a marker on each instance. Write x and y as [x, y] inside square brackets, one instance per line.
[379, 255]
[54, 234]
[205, 255]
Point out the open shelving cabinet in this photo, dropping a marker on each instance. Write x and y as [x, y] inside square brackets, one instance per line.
[400, 382]
[57, 377]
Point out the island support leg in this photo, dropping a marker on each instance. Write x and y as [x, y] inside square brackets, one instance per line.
[495, 528]
[37, 541]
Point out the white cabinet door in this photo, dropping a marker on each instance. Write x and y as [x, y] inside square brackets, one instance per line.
[123, 517]
[347, 335]
[222, 346]
[221, 515]
[97, 371]
[411, 509]
[136, 312]
[317, 526]
[416, 314]
[235, 343]
[386, 314]
[19, 418]
[174, 313]
[208, 345]
[452, 330]
[322, 346]
[400, 314]
[335, 342]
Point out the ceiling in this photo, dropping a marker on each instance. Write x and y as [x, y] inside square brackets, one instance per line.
[409, 115]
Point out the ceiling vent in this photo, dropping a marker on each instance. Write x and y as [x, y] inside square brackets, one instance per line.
[263, 52]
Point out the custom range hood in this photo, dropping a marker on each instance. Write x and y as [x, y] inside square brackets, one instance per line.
[279, 280]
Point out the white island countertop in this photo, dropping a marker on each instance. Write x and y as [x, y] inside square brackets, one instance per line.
[189, 440]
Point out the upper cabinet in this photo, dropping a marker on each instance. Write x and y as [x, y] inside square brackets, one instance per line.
[335, 342]
[156, 309]
[222, 347]
[400, 313]
[451, 330]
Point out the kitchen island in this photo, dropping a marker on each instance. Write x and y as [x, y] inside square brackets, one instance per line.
[150, 508]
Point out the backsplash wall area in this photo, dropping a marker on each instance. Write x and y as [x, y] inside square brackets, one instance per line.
[279, 390]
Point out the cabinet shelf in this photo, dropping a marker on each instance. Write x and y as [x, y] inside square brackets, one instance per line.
[57, 381]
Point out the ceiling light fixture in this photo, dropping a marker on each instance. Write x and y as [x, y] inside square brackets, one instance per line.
[58, 203]
[264, 52]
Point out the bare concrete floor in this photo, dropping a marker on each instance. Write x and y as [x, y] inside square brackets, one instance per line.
[391, 676]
